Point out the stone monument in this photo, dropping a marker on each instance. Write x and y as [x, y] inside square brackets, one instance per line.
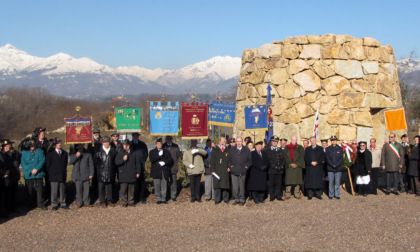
[352, 81]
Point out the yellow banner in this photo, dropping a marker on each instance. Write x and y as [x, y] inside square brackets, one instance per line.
[395, 120]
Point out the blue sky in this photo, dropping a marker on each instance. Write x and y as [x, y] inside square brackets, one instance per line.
[173, 34]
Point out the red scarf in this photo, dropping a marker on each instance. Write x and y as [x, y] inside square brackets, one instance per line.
[292, 152]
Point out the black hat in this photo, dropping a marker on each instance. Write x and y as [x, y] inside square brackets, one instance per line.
[259, 143]
[159, 140]
[405, 135]
[96, 130]
[38, 130]
[418, 136]
[106, 139]
[115, 133]
[135, 133]
[208, 140]
[283, 139]
[55, 141]
[363, 142]
[26, 144]
[333, 138]
[275, 138]
[324, 140]
[126, 142]
[232, 139]
[6, 142]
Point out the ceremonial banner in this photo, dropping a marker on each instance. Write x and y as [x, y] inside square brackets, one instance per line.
[270, 132]
[256, 118]
[222, 114]
[316, 124]
[128, 119]
[395, 120]
[164, 120]
[78, 130]
[194, 120]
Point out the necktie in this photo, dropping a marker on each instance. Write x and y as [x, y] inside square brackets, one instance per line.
[223, 149]
[259, 153]
[59, 153]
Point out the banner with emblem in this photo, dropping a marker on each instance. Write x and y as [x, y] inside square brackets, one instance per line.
[128, 119]
[222, 114]
[164, 119]
[78, 130]
[194, 120]
[256, 118]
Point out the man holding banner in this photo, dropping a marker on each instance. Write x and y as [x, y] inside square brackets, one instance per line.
[392, 162]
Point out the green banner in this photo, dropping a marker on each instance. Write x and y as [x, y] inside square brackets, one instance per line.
[128, 119]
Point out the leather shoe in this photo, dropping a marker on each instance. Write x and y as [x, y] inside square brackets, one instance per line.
[111, 204]
[199, 201]
[396, 193]
[241, 204]
[387, 193]
[78, 206]
[89, 205]
[208, 199]
[131, 205]
[173, 199]
[103, 205]
[337, 197]
[330, 197]
[54, 208]
[158, 202]
[318, 197]
[124, 205]
[65, 207]
[217, 202]
[309, 198]
[286, 198]
[164, 202]
[235, 203]
[192, 201]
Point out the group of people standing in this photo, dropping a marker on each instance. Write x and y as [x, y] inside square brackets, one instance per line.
[235, 170]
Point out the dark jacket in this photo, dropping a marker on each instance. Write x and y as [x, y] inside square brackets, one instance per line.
[277, 160]
[258, 171]
[413, 164]
[219, 165]
[390, 160]
[239, 161]
[334, 158]
[105, 165]
[156, 170]
[175, 154]
[57, 166]
[314, 174]
[207, 161]
[128, 169]
[140, 148]
[11, 162]
[363, 163]
[82, 166]
[118, 147]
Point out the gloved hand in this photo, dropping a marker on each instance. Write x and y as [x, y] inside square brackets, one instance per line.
[194, 151]
[162, 163]
[160, 152]
[191, 166]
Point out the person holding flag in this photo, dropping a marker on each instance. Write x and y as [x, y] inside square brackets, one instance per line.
[269, 132]
[392, 160]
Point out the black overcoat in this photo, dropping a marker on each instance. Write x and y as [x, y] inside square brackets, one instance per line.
[258, 171]
[128, 169]
[314, 174]
[156, 169]
[57, 166]
[219, 165]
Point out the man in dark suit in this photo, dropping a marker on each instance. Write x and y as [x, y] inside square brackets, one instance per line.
[314, 159]
[160, 171]
[257, 183]
[276, 157]
[173, 148]
[56, 163]
[239, 160]
[140, 148]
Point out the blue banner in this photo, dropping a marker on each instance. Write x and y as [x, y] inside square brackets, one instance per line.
[256, 118]
[164, 120]
[222, 114]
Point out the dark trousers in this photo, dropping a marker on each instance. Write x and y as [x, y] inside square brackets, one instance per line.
[314, 192]
[392, 180]
[105, 189]
[274, 185]
[174, 186]
[416, 185]
[374, 174]
[10, 189]
[195, 181]
[258, 196]
[35, 190]
[127, 193]
[140, 189]
[221, 193]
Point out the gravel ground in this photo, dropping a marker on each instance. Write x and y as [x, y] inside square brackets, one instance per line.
[357, 223]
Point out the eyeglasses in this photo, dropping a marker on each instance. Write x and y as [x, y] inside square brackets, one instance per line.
[363, 145]
[391, 137]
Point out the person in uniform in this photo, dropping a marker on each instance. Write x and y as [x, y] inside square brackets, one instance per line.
[173, 148]
[314, 159]
[392, 160]
[11, 162]
[239, 161]
[193, 159]
[115, 141]
[277, 162]
[257, 183]
[334, 162]
[82, 172]
[140, 148]
[56, 163]
[129, 169]
[413, 170]
[294, 166]
[219, 171]
[160, 171]
[362, 168]
[106, 171]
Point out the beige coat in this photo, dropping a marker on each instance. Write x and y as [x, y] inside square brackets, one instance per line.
[376, 157]
[196, 160]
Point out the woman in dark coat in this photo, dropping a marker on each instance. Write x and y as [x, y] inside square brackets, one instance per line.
[257, 183]
[218, 166]
[362, 167]
[413, 170]
[129, 169]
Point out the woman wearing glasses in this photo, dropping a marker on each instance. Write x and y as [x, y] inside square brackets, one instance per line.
[362, 168]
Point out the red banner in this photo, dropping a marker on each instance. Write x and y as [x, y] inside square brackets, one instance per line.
[78, 130]
[194, 120]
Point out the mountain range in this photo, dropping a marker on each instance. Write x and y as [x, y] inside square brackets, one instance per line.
[64, 75]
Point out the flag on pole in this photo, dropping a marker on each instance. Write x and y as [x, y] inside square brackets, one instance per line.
[269, 132]
[316, 125]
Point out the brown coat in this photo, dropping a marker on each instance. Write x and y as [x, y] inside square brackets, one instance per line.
[390, 160]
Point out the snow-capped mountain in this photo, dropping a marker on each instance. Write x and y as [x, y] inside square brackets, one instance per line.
[65, 75]
[409, 71]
